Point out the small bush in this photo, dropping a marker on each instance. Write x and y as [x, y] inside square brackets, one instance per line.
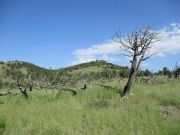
[98, 104]
[2, 124]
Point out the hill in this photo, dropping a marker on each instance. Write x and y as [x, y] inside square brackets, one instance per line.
[91, 71]
[12, 70]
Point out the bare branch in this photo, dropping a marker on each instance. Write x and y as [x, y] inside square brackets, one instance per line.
[149, 56]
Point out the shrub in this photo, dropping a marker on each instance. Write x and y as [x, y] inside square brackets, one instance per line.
[2, 124]
[98, 104]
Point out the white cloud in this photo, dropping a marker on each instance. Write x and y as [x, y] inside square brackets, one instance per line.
[95, 52]
[145, 65]
[169, 44]
[170, 41]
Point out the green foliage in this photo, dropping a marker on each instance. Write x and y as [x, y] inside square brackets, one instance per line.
[91, 71]
[147, 73]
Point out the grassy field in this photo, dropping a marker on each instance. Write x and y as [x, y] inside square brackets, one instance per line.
[150, 110]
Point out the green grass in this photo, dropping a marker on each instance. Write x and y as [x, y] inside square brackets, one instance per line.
[2, 124]
[94, 69]
[97, 111]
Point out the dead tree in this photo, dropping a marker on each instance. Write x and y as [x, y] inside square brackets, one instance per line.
[84, 88]
[176, 71]
[23, 89]
[28, 84]
[25, 85]
[136, 45]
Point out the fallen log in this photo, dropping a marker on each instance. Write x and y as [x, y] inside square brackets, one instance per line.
[5, 94]
[67, 89]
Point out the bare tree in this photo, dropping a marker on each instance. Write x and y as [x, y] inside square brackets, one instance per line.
[23, 89]
[176, 71]
[136, 45]
[28, 84]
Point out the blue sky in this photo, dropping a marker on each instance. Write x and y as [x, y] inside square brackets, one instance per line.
[53, 33]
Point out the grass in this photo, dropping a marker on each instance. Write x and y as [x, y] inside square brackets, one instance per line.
[97, 111]
[94, 69]
[2, 124]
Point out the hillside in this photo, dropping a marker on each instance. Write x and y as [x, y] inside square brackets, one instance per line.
[13, 70]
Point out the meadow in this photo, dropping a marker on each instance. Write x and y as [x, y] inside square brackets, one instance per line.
[150, 110]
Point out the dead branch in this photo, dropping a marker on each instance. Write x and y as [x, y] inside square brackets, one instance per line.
[5, 94]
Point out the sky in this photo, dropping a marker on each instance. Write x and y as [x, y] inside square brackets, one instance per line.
[60, 33]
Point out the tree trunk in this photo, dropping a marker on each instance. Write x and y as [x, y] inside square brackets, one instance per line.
[127, 87]
[25, 93]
